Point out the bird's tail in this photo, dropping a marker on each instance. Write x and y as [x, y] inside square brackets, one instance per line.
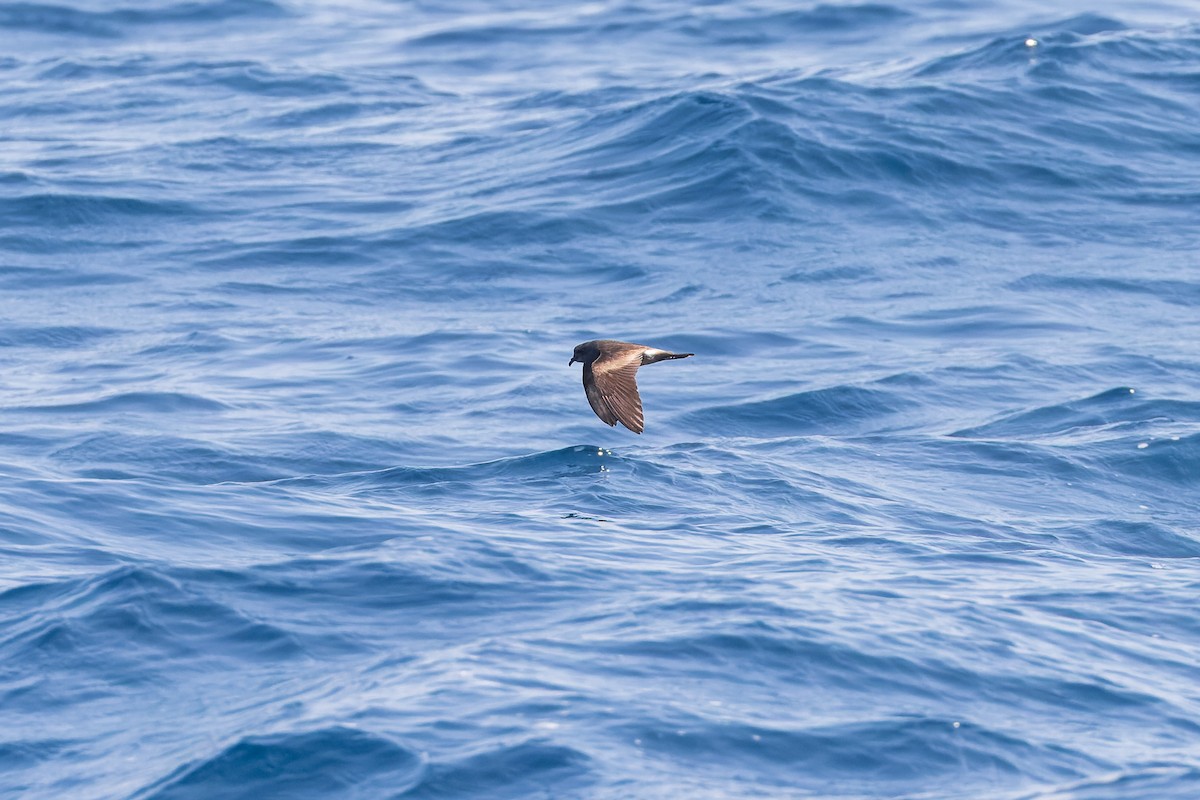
[654, 356]
[663, 355]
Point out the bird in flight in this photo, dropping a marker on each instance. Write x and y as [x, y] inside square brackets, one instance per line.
[608, 378]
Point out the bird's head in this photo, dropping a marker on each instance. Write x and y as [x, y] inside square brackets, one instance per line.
[585, 353]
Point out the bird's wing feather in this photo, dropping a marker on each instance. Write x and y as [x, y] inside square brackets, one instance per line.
[614, 388]
[596, 397]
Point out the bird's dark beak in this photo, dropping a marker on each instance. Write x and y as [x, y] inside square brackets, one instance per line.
[572, 361]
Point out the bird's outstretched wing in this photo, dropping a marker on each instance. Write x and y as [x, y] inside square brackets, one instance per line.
[611, 389]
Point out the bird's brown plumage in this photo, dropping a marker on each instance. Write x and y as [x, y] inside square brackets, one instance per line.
[609, 368]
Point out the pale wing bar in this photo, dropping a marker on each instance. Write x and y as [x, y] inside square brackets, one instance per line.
[613, 387]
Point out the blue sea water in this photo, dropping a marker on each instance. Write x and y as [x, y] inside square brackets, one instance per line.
[300, 498]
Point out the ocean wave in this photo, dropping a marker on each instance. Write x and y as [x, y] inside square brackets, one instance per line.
[1118, 412]
[821, 20]
[153, 615]
[567, 461]
[1154, 779]
[986, 321]
[416, 582]
[515, 770]
[144, 402]
[256, 78]
[115, 22]
[39, 210]
[1155, 459]
[505, 228]
[879, 752]
[1128, 537]
[1177, 292]
[336, 760]
[131, 456]
[54, 337]
[774, 149]
[135, 454]
[839, 409]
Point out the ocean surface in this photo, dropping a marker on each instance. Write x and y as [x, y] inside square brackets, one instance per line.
[300, 499]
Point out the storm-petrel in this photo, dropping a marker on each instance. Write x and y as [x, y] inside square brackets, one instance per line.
[608, 370]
